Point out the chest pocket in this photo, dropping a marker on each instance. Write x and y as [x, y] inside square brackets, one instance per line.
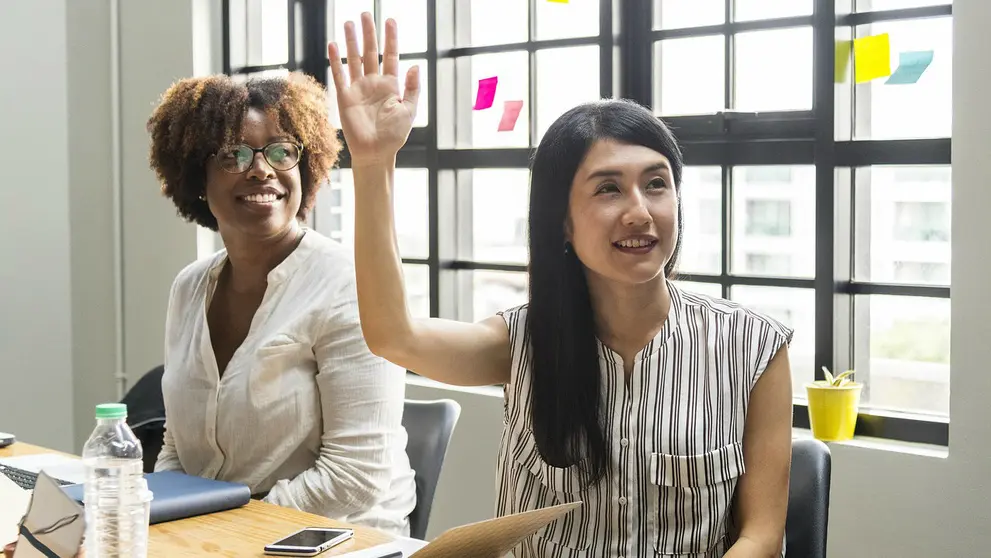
[268, 386]
[692, 496]
[538, 485]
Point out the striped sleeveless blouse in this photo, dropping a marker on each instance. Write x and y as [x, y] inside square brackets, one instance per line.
[675, 437]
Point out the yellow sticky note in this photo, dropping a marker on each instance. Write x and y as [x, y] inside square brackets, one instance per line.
[558, 1]
[843, 49]
[871, 57]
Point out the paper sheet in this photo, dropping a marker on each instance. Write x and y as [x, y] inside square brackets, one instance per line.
[911, 65]
[871, 57]
[843, 49]
[492, 538]
[486, 93]
[15, 504]
[406, 546]
[58, 466]
[510, 114]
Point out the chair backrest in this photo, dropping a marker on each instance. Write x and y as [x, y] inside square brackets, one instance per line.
[429, 425]
[808, 499]
[146, 415]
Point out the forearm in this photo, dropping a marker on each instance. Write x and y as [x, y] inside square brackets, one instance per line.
[336, 486]
[385, 319]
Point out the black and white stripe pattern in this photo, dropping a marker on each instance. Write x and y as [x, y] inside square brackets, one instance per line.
[675, 435]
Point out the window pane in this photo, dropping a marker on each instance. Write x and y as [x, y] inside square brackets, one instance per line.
[417, 280]
[749, 10]
[500, 202]
[918, 110]
[702, 220]
[674, 14]
[710, 289]
[512, 69]
[559, 87]
[562, 20]
[495, 22]
[774, 221]
[422, 110]
[688, 75]
[774, 70]
[878, 5]
[259, 32]
[343, 11]
[411, 16]
[495, 291]
[411, 211]
[794, 308]
[905, 360]
[903, 224]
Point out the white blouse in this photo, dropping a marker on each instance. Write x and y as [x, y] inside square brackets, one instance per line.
[304, 411]
[675, 436]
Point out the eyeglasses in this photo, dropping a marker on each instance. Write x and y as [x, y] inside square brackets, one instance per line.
[280, 155]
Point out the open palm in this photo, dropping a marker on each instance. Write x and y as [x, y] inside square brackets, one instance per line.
[375, 118]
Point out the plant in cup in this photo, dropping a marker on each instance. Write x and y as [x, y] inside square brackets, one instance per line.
[834, 405]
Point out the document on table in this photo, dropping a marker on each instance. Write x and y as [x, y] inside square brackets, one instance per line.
[15, 503]
[57, 466]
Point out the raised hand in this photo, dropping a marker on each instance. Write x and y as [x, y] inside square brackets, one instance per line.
[375, 119]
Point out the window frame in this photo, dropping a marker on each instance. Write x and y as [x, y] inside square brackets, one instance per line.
[725, 139]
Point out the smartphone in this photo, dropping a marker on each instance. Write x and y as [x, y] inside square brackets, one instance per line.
[6, 439]
[309, 541]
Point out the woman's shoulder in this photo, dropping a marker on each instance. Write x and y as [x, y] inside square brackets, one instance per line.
[713, 308]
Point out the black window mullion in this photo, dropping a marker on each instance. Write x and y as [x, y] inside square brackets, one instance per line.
[823, 103]
[433, 178]
[636, 20]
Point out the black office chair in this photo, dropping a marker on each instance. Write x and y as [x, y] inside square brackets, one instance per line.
[429, 425]
[146, 415]
[808, 500]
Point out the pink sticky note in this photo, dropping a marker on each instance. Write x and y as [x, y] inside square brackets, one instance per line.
[486, 92]
[510, 113]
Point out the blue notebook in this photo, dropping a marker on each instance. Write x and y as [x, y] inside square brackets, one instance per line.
[178, 496]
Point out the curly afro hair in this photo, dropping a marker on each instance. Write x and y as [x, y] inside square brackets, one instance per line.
[197, 117]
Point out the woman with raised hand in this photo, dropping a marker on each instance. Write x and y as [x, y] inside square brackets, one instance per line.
[667, 413]
[268, 381]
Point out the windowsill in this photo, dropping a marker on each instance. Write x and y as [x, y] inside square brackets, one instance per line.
[881, 444]
[861, 442]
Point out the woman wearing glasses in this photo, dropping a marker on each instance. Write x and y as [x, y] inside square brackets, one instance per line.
[666, 413]
[268, 381]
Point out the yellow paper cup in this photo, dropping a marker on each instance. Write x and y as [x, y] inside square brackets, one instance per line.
[833, 410]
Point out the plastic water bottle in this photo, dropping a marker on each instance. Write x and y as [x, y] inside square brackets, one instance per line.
[116, 497]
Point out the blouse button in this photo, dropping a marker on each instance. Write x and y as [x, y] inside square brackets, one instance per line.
[624, 442]
[622, 500]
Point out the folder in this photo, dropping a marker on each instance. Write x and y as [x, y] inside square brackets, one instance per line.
[178, 496]
[492, 538]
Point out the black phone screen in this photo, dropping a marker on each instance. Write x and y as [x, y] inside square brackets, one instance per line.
[311, 538]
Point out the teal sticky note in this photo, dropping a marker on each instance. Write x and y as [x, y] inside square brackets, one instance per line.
[911, 65]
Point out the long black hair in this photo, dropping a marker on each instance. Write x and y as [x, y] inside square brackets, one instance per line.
[566, 403]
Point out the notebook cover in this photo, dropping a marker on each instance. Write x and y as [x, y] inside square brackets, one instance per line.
[178, 496]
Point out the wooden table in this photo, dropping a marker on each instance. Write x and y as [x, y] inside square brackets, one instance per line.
[240, 532]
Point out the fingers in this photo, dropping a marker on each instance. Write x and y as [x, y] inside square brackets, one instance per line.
[354, 55]
[371, 56]
[390, 56]
[336, 70]
[411, 95]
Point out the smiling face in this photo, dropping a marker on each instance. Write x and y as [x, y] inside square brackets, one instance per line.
[262, 202]
[623, 212]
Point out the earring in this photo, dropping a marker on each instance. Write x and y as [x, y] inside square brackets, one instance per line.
[567, 248]
[202, 198]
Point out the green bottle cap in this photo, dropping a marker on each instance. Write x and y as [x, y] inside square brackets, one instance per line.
[111, 411]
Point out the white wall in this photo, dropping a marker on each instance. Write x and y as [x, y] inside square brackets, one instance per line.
[59, 343]
[35, 322]
[886, 501]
